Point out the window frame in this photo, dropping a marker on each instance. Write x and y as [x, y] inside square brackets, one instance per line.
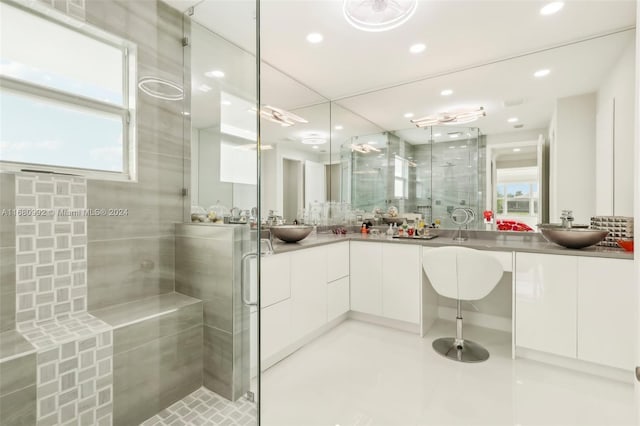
[126, 111]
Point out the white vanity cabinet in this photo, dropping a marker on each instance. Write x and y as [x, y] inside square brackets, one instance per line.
[385, 280]
[308, 290]
[337, 280]
[401, 274]
[275, 319]
[577, 307]
[606, 311]
[366, 277]
[546, 290]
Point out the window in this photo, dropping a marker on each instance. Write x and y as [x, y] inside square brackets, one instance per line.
[67, 96]
[517, 192]
[401, 178]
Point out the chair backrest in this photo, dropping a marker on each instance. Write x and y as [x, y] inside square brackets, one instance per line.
[460, 272]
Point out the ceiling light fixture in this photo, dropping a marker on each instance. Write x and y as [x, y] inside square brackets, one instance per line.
[280, 116]
[551, 8]
[418, 48]
[446, 92]
[315, 147]
[313, 140]
[408, 115]
[437, 135]
[214, 74]
[363, 148]
[512, 120]
[457, 117]
[378, 15]
[516, 149]
[161, 89]
[314, 38]
[338, 127]
[225, 103]
[541, 73]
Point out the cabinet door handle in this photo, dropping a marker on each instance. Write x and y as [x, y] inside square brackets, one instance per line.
[243, 265]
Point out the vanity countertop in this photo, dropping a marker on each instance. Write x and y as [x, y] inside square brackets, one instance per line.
[530, 243]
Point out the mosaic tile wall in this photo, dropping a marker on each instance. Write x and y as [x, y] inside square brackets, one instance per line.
[75, 349]
[51, 247]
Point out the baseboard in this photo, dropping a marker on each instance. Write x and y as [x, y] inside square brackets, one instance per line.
[577, 365]
[476, 318]
[385, 322]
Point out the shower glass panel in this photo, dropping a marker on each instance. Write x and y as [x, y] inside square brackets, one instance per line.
[217, 249]
[428, 171]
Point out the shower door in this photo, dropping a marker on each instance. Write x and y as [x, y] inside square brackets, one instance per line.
[220, 47]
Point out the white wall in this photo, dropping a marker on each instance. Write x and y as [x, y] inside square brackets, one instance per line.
[572, 145]
[615, 137]
[272, 181]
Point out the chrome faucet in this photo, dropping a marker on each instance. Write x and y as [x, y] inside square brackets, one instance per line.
[274, 219]
[567, 218]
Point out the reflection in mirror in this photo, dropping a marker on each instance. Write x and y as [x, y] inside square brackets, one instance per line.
[223, 172]
[422, 173]
[568, 134]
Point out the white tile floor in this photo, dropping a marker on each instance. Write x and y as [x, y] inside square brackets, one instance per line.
[362, 374]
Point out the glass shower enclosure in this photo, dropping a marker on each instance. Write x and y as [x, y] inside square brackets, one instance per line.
[429, 171]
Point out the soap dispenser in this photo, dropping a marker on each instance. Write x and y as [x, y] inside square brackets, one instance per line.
[390, 230]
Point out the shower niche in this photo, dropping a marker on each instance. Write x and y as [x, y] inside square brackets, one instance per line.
[429, 171]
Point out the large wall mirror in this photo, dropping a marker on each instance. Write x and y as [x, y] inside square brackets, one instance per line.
[558, 130]
[561, 140]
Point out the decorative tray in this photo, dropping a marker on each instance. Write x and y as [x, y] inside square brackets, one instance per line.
[424, 237]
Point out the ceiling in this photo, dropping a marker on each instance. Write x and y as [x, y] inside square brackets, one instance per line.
[485, 51]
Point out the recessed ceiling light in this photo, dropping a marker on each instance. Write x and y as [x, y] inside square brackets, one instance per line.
[214, 74]
[315, 147]
[463, 146]
[408, 115]
[551, 8]
[435, 135]
[446, 92]
[452, 147]
[513, 120]
[204, 88]
[516, 149]
[541, 73]
[418, 48]
[225, 103]
[454, 135]
[338, 127]
[314, 38]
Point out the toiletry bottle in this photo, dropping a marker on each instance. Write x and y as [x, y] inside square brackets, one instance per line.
[390, 231]
[363, 230]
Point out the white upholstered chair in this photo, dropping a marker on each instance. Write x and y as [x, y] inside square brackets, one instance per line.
[463, 274]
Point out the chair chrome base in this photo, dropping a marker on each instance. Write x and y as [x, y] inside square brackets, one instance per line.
[467, 352]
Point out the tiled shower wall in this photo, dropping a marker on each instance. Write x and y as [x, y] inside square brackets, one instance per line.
[132, 257]
[129, 257]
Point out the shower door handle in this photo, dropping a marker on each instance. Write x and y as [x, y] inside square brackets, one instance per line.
[243, 266]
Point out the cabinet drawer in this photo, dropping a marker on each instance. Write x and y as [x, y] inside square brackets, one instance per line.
[275, 284]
